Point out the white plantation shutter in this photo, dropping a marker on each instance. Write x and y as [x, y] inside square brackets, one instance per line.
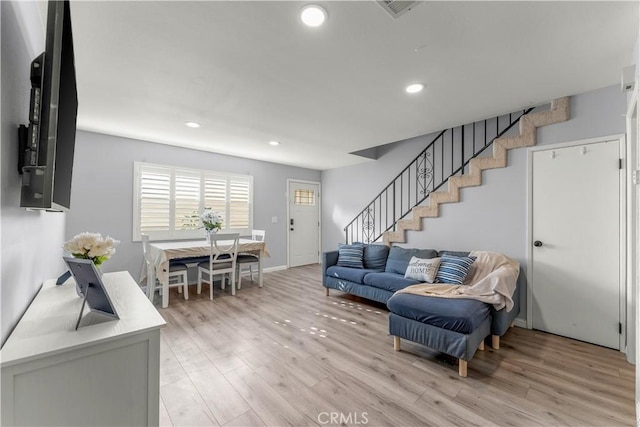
[168, 201]
[215, 194]
[239, 202]
[187, 199]
[154, 199]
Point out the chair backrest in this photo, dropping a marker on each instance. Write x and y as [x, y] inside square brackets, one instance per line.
[224, 244]
[151, 271]
[145, 248]
[258, 235]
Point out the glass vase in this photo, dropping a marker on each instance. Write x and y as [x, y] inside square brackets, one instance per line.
[208, 233]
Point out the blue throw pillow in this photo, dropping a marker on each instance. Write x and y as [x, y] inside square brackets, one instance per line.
[375, 256]
[350, 256]
[454, 269]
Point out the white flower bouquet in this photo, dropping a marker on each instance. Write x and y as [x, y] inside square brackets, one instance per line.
[91, 246]
[211, 220]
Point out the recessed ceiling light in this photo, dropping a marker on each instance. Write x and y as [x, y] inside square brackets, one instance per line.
[313, 15]
[274, 143]
[414, 88]
[192, 124]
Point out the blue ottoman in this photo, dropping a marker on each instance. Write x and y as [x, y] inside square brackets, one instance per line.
[457, 327]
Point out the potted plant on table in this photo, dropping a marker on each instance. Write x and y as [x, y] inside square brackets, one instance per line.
[211, 222]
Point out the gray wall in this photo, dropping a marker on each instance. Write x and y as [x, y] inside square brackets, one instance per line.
[31, 241]
[102, 196]
[490, 217]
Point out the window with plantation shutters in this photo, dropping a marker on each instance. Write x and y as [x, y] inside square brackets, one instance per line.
[215, 194]
[239, 202]
[187, 199]
[155, 200]
[168, 201]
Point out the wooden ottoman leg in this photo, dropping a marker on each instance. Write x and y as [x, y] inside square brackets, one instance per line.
[481, 346]
[462, 368]
[495, 341]
[396, 343]
[326, 291]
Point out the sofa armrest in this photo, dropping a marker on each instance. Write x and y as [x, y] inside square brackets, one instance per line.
[502, 320]
[328, 259]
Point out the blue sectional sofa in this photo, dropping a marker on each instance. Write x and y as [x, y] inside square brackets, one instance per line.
[457, 327]
[382, 275]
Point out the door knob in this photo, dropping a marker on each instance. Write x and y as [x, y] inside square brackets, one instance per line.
[537, 243]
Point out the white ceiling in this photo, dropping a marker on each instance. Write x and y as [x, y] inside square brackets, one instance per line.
[250, 72]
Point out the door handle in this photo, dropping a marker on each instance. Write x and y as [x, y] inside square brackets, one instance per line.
[537, 243]
[291, 229]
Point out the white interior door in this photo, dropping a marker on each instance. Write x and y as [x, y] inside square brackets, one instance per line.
[304, 223]
[576, 242]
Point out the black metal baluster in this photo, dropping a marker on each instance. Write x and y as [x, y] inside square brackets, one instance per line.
[417, 182]
[394, 203]
[401, 194]
[451, 171]
[485, 133]
[442, 159]
[462, 161]
[474, 138]
[379, 219]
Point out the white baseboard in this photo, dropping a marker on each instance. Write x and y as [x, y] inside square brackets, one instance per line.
[520, 323]
[276, 268]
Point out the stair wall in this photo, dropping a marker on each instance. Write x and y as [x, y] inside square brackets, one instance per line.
[492, 216]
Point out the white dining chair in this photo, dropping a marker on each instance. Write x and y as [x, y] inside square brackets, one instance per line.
[249, 260]
[222, 261]
[177, 276]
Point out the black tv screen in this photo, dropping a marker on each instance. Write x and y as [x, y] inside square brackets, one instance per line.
[47, 171]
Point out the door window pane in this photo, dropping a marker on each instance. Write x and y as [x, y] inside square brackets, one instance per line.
[305, 197]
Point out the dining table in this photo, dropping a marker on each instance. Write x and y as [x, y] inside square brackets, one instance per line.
[161, 253]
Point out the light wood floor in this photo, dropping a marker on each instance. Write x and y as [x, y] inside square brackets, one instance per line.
[287, 355]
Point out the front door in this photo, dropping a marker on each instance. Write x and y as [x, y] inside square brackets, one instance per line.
[576, 242]
[304, 223]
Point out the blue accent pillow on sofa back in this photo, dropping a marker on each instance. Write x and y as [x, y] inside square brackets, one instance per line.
[399, 258]
[454, 269]
[350, 255]
[375, 256]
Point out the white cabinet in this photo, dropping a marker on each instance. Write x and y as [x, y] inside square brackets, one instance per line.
[102, 374]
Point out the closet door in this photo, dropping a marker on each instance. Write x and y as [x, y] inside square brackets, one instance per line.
[576, 242]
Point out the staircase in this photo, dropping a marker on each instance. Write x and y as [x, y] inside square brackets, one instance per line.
[455, 156]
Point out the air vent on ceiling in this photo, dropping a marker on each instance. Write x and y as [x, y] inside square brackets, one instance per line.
[396, 8]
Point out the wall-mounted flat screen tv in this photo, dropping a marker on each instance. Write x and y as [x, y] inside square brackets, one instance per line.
[47, 152]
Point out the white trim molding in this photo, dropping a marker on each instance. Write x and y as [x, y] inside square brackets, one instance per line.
[276, 268]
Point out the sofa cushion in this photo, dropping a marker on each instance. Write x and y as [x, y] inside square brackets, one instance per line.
[424, 270]
[459, 315]
[388, 281]
[347, 273]
[454, 269]
[399, 258]
[454, 253]
[375, 256]
[350, 255]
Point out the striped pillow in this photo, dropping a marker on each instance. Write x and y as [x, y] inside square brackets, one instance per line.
[454, 269]
[350, 256]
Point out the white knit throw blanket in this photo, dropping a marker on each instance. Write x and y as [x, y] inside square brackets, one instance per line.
[493, 281]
